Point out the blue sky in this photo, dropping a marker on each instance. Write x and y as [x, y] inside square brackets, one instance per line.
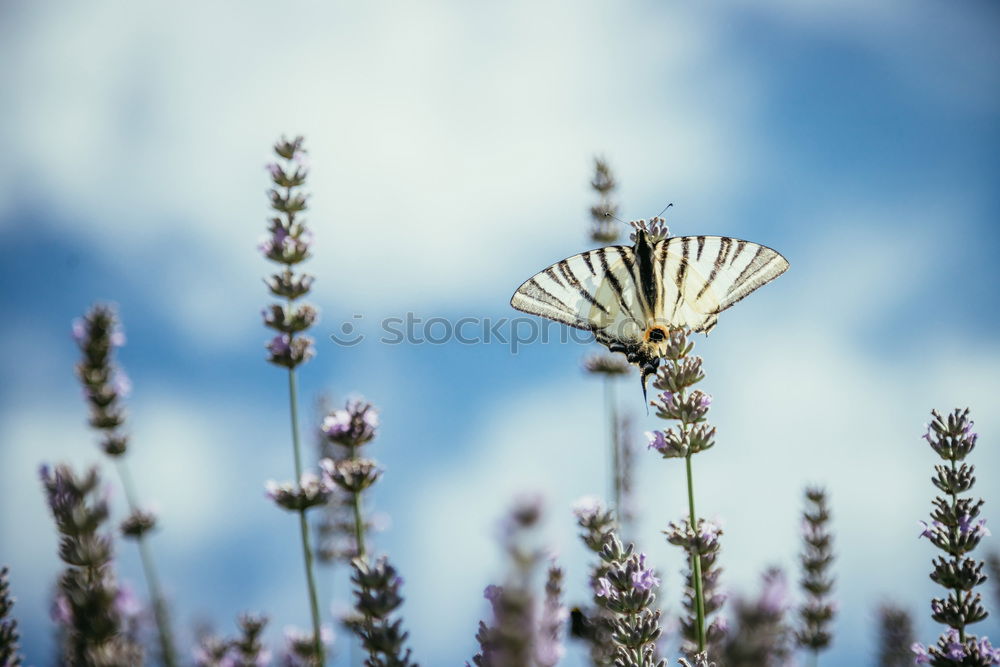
[451, 149]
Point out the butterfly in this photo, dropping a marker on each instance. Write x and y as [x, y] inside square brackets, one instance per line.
[631, 298]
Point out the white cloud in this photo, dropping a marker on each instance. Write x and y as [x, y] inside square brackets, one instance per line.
[444, 140]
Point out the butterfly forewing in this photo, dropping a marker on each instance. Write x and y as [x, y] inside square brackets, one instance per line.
[595, 290]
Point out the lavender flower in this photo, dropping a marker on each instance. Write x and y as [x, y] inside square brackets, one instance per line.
[211, 651]
[644, 578]
[9, 656]
[350, 428]
[247, 650]
[351, 475]
[244, 651]
[97, 334]
[310, 491]
[627, 592]
[656, 228]
[138, 523]
[760, 637]
[895, 637]
[377, 593]
[704, 542]
[956, 530]
[354, 425]
[604, 229]
[549, 649]
[594, 625]
[93, 628]
[289, 243]
[622, 627]
[300, 646]
[678, 402]
[607, 364]
[818, 610]
[521, 630]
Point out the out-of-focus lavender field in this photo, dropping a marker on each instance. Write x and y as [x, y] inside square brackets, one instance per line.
[451, 147]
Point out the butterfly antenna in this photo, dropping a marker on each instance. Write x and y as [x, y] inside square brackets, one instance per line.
[665, 209]
[609, 214]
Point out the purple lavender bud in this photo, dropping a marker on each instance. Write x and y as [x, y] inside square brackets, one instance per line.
[602, 588]
[301, 158]
[126, 602]
[708, 531]
[492, 593]
[774, 598]
[657, 441]
[273, 169]
[61, 612]
[987, 650]
[79, 330]
[279, 345]
[920, 654]
[928, 530]
[645, 578]
[353, 425]
[121, 383]
[954, 645]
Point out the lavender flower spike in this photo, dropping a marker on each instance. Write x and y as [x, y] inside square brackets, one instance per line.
[818, 610]
[956, 531]
[690, 435]
[895, 637]
[8, 625]
[289, 244]
[105, 385]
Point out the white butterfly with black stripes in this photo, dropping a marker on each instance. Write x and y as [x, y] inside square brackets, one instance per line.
[633, 297]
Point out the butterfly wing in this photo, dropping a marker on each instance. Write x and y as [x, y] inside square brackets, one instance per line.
[704, 275]
[595, 291]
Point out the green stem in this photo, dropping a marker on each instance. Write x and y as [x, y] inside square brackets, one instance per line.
[611, 404]
[303, 524]
[696, 563]
[149, 572]
[359, 524]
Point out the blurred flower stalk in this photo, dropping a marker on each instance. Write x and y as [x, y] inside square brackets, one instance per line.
[98, 334]
[288, 244]
[818, 610]
[604, 230]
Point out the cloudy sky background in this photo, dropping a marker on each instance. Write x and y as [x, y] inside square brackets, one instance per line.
[452, 147]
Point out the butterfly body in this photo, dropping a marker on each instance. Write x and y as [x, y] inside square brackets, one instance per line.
[632, 297]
